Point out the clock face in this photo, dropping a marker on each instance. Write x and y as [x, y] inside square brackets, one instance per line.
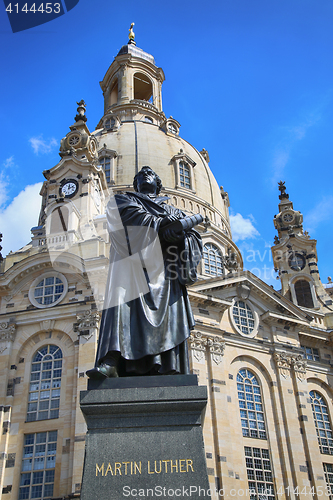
[297, 262]
[69, 188]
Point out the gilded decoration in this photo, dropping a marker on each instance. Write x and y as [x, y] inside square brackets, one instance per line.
[7, 331]
[199, 344]
[286, 362]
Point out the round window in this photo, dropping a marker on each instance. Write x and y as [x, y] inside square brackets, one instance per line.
[48, 290]
[73, 140]
[287, 217]
[244, 318]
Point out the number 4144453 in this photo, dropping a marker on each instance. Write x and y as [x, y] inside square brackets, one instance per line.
[48, 9]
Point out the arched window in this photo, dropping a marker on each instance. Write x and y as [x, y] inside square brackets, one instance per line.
[303, 293]
[143, 88]
[45, 382]
[184, 175]
[212, 260]
[114, 93]
[105, 162]
[250, 404]
[322, 423]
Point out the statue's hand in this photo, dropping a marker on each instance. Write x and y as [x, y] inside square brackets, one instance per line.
[169, 218]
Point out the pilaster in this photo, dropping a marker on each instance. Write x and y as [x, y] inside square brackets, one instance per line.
[291, 367]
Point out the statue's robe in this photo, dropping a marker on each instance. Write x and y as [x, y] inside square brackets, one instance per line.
[147, 315]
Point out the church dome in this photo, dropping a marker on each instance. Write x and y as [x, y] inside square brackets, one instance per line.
[138, 143]
[135, 132]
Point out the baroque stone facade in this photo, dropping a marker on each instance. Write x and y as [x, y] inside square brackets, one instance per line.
[265, 356]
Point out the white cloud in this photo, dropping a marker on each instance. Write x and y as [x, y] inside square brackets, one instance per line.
[9, 162]
[43, 146]
[5, 178]
[3, 189]
[322, 212]
[242, 228]
[18, 217]
[293, 134]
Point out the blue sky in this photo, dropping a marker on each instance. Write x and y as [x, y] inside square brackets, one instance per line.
[250, 81]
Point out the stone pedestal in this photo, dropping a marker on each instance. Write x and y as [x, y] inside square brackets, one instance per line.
[144, 438]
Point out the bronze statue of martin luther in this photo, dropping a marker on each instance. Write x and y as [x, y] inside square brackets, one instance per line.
[154, 254]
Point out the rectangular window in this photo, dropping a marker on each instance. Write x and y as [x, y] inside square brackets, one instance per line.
[259, 474]
[38, 463]
[105, 162]
[328, 470]
[310, 353]
[184, 175]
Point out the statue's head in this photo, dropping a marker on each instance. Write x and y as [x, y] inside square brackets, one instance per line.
[147, 181]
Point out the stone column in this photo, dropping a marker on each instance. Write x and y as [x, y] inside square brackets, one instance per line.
[87, 329]
[296, 475]
[313, 467]
[123, 84]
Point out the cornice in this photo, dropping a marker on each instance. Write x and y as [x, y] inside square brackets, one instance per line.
[272, 318]
[206, 299]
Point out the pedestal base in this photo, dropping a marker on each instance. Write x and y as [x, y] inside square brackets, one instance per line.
[144, 438]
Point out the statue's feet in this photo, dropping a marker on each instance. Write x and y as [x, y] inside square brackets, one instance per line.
[102, 372]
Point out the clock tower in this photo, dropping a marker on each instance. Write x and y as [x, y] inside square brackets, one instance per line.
[74, 192]
[295, 259]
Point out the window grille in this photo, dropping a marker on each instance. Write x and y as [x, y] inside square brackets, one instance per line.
[45, 383]
[259, 474]
[322, 423]
[38, 464]
[243, 317]
[250, 405]
[303, 294]
[311, 353]
[328, 470]
[184, 175]
[105, 162]
[212, 258]
[48, 290]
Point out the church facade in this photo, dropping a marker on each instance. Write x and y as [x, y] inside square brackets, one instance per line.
[265, 356]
